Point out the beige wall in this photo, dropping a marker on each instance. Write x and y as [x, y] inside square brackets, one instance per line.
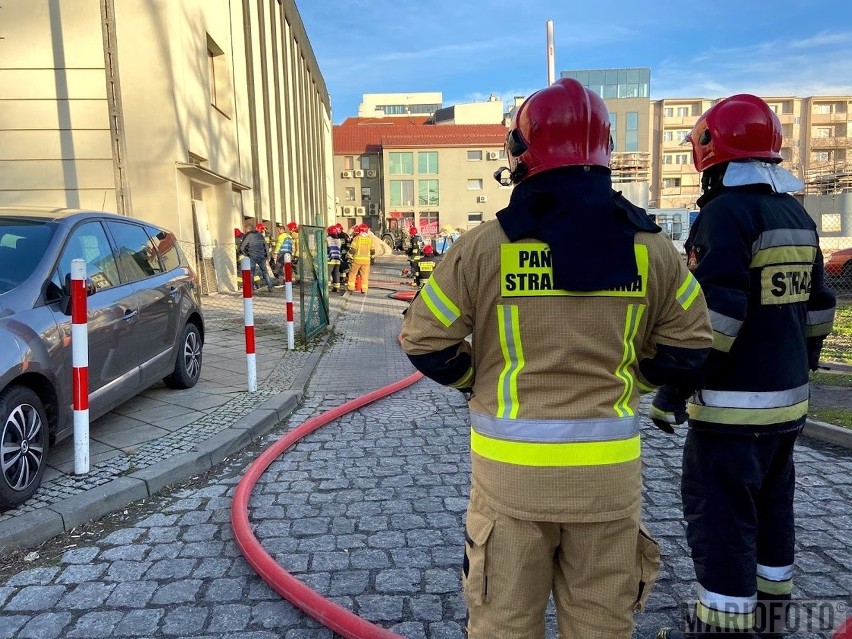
[264, 149]
[370, 101]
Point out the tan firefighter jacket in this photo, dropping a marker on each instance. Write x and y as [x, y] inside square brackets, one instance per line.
[555, 379]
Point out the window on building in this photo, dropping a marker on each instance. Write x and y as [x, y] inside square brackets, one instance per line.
[631, 131]
[427, 192]
[474, 155]
[365, 162]
[401, 163]
[823, 132]
[401, 192]
[822, 109]
[683, 111]
[428, 222]
[683, 158]
[427, 162]
[350, 194]
[671, 183]
[668, 158]
[821, 156]
[366, 194]
[474, 185]
[668, 112]
[501, 154]
[613, 127]
[681, 134]
[668, 136]
[218, 78]
[348, 162]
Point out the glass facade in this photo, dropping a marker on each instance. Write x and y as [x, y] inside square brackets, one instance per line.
[631, 131]
[401, 163]
[427, 162]
[614, 83]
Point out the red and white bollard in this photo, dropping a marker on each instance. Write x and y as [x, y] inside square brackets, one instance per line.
[80, 366]
[288, 296]
[248, 314]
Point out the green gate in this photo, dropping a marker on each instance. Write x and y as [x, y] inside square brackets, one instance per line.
[313, 277]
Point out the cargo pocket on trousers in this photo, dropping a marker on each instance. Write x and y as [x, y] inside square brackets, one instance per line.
[648, 558]
[474, 573]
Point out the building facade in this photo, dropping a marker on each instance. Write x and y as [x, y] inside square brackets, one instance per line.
[390, 105]
[195, 115]
[397, 173]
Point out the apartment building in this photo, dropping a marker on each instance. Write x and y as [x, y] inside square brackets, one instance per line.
[195, 115]
[391, 105]
[409, 172]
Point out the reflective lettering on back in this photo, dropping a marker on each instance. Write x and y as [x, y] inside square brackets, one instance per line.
[785, 284]
[526, 270]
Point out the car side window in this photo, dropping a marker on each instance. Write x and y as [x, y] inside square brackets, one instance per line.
[166, 246]
[136, 254]
[89, 243]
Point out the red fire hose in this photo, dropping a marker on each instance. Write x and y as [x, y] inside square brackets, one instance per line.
[331, 615]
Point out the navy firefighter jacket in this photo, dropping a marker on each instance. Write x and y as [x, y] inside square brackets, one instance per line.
[756, 254]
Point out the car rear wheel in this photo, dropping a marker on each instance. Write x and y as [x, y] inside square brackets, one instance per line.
[24, 441]
[188, 362]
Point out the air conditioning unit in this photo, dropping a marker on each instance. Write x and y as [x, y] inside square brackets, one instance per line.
[371, 173]
[482, 199]
[360, 210]
[493, 155]
[346, 174]
[348, 211]
[374, 209]
[359, 173]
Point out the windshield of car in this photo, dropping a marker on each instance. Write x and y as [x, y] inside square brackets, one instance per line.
[22, 244]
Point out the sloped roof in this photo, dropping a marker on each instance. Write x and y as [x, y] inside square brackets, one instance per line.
[369, 135]
[447, 135]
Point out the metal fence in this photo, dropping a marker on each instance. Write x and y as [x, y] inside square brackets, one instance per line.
[837, 252]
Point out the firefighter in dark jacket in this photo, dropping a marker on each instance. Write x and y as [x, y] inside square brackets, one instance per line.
[563, 338]
[424, 266]
[756, 254]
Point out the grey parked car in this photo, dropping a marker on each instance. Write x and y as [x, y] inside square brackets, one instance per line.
[144, 325]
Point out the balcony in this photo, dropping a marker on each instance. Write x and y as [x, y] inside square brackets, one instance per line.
[680, 120]
[828, 118]
[831, 143]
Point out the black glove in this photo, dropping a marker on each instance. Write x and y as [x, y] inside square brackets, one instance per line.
[668, 408]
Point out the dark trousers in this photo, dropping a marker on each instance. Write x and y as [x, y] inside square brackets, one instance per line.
[737, 495]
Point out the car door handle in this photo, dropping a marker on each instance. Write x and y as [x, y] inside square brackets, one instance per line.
[130, 314]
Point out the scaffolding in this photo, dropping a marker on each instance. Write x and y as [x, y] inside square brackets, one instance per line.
[829, 180]
[630, 167]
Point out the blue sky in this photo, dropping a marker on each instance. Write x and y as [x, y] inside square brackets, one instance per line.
[468, 49]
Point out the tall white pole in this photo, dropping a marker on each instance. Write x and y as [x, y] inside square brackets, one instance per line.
[551, 63]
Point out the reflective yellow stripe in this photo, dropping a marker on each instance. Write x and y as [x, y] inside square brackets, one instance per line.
[748, 416]
[784, 255]
[464, 382]
[688, 291]
[513, 358]
[775, 587]
[631, 327]
[731, 620]
[643, 387]
[722, 342]
[442, 308]
[570, 454]
[819, 330]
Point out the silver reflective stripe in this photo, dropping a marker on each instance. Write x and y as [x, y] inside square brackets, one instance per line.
[820, 317]
[438, 303]
[751, 399]
[784, 237]
[724, 603]
[775, 573]
[724, 324]
[555, 430]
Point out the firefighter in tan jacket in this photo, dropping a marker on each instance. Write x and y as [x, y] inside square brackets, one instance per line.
[575, 303]
[361, 252]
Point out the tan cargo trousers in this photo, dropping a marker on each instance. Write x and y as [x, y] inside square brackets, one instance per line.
[354, 270]
[599, 574]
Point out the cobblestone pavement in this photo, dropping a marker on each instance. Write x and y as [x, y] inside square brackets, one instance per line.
[368, 511]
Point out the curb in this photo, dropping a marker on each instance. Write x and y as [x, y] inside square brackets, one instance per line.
[829, 433]
[35, 527]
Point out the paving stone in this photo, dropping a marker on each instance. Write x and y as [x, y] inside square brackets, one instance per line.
[45, 626]
[379, 607]
[185, 620]
[86, 596]
[140, 623]
[34, 598]
[275, 614]
[132, 594]
[94, 625]
[79, 573]
[80, 555]
[183, 591]
[33, 577]
[229, 617]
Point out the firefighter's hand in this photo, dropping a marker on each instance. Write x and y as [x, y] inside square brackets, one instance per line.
[668, 409]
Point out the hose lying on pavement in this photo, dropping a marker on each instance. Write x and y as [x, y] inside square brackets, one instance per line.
[331, 615]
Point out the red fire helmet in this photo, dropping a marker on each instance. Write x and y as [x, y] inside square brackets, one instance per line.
[412, 230]
[737, 128]
[562, 125]
[260, 227]
[428, 250]
[331, 230]
[293, 226]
